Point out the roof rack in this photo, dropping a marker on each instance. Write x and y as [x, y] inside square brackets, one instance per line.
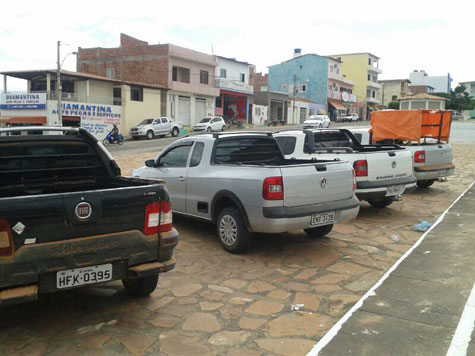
[217, 134]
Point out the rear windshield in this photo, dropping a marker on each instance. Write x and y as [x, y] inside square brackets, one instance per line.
[287, 144]
[247, 150]
[325, 139]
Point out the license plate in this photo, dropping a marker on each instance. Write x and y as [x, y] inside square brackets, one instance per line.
[85, 275]
[394, 190]
[322, 219]
[442, 173]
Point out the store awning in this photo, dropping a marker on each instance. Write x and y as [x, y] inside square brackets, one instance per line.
[23, 120]
[336, 104]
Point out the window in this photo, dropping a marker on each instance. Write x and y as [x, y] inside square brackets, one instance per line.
[374, 94]
[247, 150]
[258, 111]
[203, 77]
[176, 157]
[264, 88]
[219, 102]
[164, 120]
[156, 121]
[287, 144]
[110, 73]
[338, 71]
[369, 61]
[117, 93]
[136, 94]
[302, 88]
[197, 153]
[331, 68]
[222, 73]
[180, 74]
[242, 77]
[394, 98]
[369, 77]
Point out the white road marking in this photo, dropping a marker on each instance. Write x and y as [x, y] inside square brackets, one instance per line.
[463, 333]
[334, 330]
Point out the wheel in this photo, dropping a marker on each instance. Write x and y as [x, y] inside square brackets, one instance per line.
[175, 132]
[150, 134]
[425, 183]
[208, 129]
[382, 203]
[105, 142]
[319, 231]
[140, 286]
[232, 232]
[223, 128]
[120, 141]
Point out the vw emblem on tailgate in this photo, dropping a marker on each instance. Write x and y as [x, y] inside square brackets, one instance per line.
[83, 210]
[323, 183]
[394, 164]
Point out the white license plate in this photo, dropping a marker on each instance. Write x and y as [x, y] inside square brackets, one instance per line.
[394, 190]
[322, 219]
[85, 275]
[442, 173]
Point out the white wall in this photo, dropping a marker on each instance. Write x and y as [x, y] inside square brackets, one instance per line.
[259, 114]
[233, 69]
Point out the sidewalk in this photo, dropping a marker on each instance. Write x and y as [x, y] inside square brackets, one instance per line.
[417, 308]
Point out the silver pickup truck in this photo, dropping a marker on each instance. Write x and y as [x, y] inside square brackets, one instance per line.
[432, 160]
[383, 172]
[243, 184]
[160, 126]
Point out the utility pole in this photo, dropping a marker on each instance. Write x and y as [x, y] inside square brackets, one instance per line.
[293, 104]
[58, 87]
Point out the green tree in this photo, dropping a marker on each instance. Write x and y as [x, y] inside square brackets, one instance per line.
[393, 105]
[459, 99]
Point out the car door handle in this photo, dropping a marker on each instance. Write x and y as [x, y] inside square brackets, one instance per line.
[181, 179]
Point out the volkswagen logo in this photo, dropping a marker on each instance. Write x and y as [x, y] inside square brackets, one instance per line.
[323, 183]
[83, 210]
[394, 164]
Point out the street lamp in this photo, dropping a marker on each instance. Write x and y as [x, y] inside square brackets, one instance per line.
[58, 83]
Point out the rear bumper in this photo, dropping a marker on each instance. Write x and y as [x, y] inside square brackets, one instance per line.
[131, 253]
[377, 190]
[283, 219]
[434, 172]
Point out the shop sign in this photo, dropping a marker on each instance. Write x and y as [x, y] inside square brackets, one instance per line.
[23, 101]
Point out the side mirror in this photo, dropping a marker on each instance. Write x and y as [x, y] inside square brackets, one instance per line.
[150, 163]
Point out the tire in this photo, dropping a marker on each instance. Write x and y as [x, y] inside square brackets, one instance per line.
[223, 128]
[141, 286]
[236, 239]
[208, 129]
[175, 132]
[150, 134]
[120, 141]
[425, 183]
[105, 142]
[319, 231]
[380, 203]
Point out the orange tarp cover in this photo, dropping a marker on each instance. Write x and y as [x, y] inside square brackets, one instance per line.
[410, 125]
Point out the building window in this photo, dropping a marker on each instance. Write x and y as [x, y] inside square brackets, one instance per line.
[180, 74]
[203, 77]
[302, 88]
[264, 88]
[369, 77]
[136, 94]
[368, 93]
[338, 71]
[219, 102]
[374, 94]
[222, 73]
[331, 68]
[110, 73]
[369, 61]
[394, 98]
[117, 92]
[242, 77]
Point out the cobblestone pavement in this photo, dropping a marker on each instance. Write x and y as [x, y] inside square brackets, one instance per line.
[277, 300]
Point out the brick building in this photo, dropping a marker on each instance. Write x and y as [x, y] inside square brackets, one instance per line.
[188, 75]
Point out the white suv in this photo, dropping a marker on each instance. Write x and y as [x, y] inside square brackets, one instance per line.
[350, 118]
[215, 123]
[316, 122]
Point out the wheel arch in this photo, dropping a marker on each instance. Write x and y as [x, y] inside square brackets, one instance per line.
[224, 199]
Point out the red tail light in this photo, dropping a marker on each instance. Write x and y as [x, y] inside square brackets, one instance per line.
[273, 189]
[419, 157]
[158, 218]
[6, 241]
[354, 179]
[361, 168]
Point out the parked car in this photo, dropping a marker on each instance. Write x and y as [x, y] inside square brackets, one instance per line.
[242, 183]
[350, 118]
[316, 121]
[383, 172]
[69, 219]
[209, 124]
[160, 126]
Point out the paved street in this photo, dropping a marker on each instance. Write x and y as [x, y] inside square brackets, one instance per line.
[279, 299]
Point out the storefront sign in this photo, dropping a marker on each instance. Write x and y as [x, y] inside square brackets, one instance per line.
[23, 101]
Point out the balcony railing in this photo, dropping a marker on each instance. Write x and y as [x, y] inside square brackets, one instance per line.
[82, 98]
[373, 84]
[373, 100]
[374, 69]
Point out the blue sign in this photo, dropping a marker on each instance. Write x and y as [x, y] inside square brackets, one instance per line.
[23, 101]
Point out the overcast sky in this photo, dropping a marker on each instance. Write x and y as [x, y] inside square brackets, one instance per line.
[407, 35]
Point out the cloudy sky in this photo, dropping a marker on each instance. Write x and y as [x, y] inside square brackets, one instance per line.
[407, 35]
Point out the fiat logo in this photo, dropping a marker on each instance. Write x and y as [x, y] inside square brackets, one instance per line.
[323, 183]
[394, 164]
[83, 210]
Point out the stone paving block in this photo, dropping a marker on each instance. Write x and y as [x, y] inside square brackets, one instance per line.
[264, 307]
[286, 347]
[201, 322]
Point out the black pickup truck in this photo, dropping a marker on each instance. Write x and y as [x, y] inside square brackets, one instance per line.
[68, 218]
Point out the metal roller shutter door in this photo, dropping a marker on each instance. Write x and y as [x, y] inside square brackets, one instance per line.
[184, 110]
[200, 109]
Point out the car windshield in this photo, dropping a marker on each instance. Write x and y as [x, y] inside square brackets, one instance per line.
[206, 119]
[146, 122]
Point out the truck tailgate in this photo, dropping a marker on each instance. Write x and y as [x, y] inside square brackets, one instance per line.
[438, 154]
[389, 165]
[317, 183]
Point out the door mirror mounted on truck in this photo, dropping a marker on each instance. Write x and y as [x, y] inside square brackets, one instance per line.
[151, 163]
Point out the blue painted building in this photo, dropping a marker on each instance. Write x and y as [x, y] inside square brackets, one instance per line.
[302, 77]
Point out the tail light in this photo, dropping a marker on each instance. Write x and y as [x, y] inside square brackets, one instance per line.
[6, 241]
[419, 157]
[158, 218]
[361, 168]
[273, 189]
[354, 179]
